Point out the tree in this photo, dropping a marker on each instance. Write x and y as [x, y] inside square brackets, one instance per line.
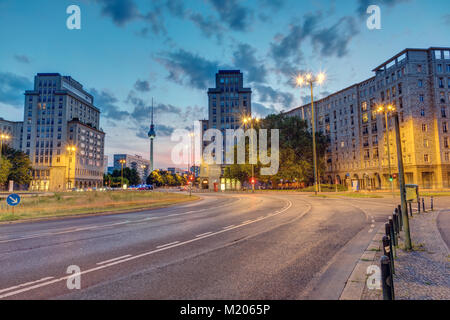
[20, 171]
[5, 167]
[155, 178]
[131, 175]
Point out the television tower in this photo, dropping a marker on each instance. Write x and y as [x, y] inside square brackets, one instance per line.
[151, 135]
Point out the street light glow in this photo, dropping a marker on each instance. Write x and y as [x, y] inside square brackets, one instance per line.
[300, 81]
[321, 78]
[71, 148]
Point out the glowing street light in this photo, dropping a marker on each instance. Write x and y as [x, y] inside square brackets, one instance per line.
[3, 137]
[387, 109]
[309, 80]
[122, 163]
[70, 149]
[251, 120]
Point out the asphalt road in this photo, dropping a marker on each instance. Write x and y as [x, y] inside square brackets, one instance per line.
[230, 246]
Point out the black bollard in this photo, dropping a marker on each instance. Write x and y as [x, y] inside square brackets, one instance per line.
[423, 205]
[392, 230]
[387, 250]
[400, 218]
[396, 223]
[418, 206]
[386, 279]
[432, 205]
[410, 208]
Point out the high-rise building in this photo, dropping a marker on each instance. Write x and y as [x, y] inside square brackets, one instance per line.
[62, 135]
[417, 83]
[13, 130]
[137, 162]
[228, 103]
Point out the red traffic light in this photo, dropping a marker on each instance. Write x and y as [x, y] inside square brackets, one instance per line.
[395, 176]
[253, 181]
[191, 178]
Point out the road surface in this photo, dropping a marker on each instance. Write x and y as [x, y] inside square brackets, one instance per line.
[226, 246]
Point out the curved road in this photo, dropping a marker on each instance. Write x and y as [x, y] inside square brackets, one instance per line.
[239, 246]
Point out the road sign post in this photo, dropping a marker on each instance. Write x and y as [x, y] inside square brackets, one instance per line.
[13, 200]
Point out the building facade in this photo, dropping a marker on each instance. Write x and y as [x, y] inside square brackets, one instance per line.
[137, 162]
[60, 114]
[228, 102]
[417, 83]
[14, 130]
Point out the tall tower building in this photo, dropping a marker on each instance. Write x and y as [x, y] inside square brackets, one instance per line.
[152, 135]
[61, 135]
[228, 103]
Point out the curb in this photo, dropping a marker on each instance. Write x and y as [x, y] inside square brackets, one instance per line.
[355, 284]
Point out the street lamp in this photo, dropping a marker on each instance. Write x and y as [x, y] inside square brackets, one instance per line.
[251, 120]
[309, 80]
[122, 162]
[70, 149]
[3, 137]
[388, 109]
[191, 157]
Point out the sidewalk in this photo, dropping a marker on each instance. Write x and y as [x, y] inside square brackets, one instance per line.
[423, 274]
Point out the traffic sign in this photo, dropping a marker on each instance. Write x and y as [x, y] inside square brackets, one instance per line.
[13, 200]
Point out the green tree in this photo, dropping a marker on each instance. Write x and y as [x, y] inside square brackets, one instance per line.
[155, 179]
[20, 171]
[5, 167]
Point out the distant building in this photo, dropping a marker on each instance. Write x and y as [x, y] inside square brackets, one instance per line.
[59, 113]
[137, 162]
[14, 130]
[176, 171]
[105, 164]
[417, 83]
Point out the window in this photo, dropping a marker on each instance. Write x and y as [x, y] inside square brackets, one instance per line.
[437, 54]
[420, 83]
[365, 117]
[425, 143]
[424, 127]
[421, 98]
[364, 106]
[444, 112]
[426, 158]
[441, 83]
[419, 68]
[445, 127]
[439, 68]
[446, 142]
[422, 112]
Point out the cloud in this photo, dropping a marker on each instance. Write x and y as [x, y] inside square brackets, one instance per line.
[268, 94]
[447, 19]
[288, 46]
[208, 25]
[107, 103]
[262, 110]
[120, 11]
[22, 58]
[334, 41]
[190, 69]
[12, 88]
[244, 58]
[142, 86]
[237, 17]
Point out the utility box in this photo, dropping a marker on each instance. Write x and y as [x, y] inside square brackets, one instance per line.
[412, 192]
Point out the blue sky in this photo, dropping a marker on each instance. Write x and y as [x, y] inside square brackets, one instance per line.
[129, 51]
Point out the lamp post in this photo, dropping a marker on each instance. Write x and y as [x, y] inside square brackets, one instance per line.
[310, 80]
[122, 162]
[191, 181]
[387, 109]
[3, 137]
[70, 149]
[251, 121]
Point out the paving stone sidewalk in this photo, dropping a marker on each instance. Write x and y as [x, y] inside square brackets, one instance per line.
[423, 274]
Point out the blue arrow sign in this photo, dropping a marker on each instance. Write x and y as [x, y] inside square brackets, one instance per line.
[13, 200]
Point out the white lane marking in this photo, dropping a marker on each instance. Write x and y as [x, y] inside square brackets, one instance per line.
[247, 221]
[229, 227]
[25, 284]
[127, 259]
[203, 234]
[167, 244]
[111, 260]
[371, 230]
